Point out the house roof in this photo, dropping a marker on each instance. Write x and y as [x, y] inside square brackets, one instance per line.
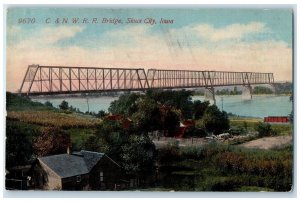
[68, 165]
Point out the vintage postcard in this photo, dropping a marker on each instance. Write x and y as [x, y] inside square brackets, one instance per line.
[149, 99]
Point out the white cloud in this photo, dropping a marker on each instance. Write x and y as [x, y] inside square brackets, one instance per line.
[13, 30]
[52, 35]
[46, 37]
[230, 32]
[151, 50]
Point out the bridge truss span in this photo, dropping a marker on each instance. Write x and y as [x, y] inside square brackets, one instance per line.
[47, 80]
[190, 79]
[43, 80]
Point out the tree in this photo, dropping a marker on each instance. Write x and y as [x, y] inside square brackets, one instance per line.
[48, 104]
[64, 105]
[199, 108]
[181, 100]
[19, 137]
[137, 155]
[264, 129]
[261, 90]
[214, 120]
[125, 105]
[95, 143]
[101, 114]
[170, 119]
[133, 151]
[52, 140]
[147, 116]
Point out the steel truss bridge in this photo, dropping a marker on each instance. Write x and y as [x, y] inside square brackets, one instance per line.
[52, 80]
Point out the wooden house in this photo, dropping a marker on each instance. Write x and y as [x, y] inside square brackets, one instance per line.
[84, 170]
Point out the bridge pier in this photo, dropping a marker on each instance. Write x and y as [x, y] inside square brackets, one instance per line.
[210, 94]
[248, 92]
[272, 86]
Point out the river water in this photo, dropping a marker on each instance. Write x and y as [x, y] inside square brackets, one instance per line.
[259, 106]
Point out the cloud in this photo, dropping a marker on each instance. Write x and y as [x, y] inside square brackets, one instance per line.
[230, 32]
[44, 37]
[53, 35]
[13, 30]
[138, 47]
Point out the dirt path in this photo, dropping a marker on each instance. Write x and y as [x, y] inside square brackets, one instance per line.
[268, 142]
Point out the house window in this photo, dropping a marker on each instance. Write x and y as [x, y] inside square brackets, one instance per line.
[78, 178]
[101, 176]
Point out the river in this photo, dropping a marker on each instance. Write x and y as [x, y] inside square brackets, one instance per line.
[259, 106]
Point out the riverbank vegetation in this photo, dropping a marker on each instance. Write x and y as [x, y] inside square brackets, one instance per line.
[277, 88]
[216, 167]
[34, 129]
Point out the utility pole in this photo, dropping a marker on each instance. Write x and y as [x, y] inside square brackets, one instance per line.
[87, 102]
[222, 102]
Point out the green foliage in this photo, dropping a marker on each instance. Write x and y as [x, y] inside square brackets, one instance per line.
[264, 129]
[169, 153]
[125, 105]
[147, 117]
[133, 151]
[282, 129]
[214, 120]
[79, 136]
[229, 92]
[199, 109]
[19, 138]
[95, 143]
[194, 132]
[137, 155]
[261, 90]
[64, 105]
[283, 88]
[18, 103]
[169, 119]
[151, 111]
[248, 124]
[217, 167]
[237, 130]
[181, 100]
[101, 114]
[48, 104]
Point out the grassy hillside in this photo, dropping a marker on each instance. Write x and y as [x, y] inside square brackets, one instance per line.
[18, 103]
[24, 113]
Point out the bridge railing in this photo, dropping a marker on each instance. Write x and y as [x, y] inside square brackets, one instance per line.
[40, 80]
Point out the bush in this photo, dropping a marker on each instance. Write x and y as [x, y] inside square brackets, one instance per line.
[214, 120]
[19, 138]
[48, 104]
[237, 130]
[169, 153]
[194, 132]
[264, 129]
[64, 105]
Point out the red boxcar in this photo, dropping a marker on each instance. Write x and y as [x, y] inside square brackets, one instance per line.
[276, 119]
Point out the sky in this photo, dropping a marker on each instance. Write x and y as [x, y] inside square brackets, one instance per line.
[253, 40]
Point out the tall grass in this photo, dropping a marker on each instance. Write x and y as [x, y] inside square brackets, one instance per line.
[228, 168]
